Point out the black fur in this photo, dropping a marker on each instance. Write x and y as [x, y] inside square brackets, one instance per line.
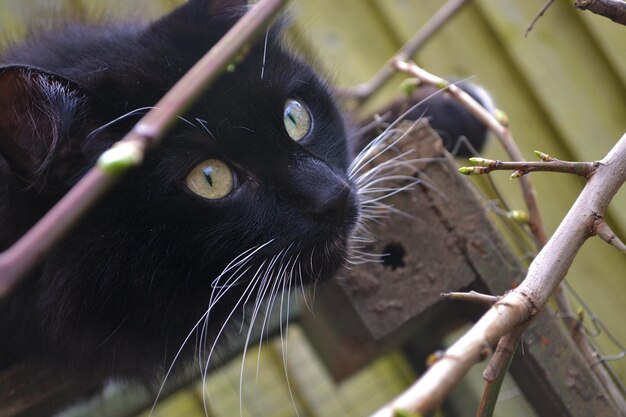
[120, 294]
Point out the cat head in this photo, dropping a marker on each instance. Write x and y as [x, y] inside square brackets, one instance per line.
[248, 195]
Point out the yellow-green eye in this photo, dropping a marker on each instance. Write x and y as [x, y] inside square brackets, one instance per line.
[297, 119]
[211, 179]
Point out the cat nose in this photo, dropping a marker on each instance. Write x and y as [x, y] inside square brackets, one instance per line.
[331, 202]
[317, 190]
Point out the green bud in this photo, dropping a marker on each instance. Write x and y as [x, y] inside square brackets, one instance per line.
[501, 117]
[543, 156]
[120, 157]
[408, 86]
[580, 314]
[441, 84]
[518, 215]
[405, 413]
[472, 170]
[483, 162]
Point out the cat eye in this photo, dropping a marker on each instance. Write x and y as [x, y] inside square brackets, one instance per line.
[297, 119]
[211, 179]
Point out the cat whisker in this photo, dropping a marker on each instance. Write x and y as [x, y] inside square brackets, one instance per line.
[370, 148]
[371, 152]
[267, 32]
[302, 287]
[138, 111]
[264, 286]
[383, 197]
[389, 178]
[364, 158]
[398, 161]
[363, 239]
[212, 302]
[284, 336]
[245, 296]
[203, 124]
[141, 110]
[239, 260]
[366, 256]
[167, 374]
[272, 296]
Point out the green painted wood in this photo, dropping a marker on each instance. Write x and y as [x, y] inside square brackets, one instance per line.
[348, 52]
[609, 37]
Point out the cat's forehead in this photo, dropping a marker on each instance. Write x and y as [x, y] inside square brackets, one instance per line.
[243, 116]
[254, 93]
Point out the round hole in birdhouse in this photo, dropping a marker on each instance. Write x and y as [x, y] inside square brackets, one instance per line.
[393, 256]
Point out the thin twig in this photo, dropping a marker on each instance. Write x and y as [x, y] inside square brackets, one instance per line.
[611, 9]
[484, 166]
[504, 351]
[519, 305]
[360, 93]
[32, 248]
[603, 231]
[497, 369]
[543, 10]
[472, 297]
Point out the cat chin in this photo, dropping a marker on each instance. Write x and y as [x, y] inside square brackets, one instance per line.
[332, 255]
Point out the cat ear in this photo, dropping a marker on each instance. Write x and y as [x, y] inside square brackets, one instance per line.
[36, 112]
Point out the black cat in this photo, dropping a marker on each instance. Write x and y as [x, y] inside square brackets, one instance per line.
[249, 195]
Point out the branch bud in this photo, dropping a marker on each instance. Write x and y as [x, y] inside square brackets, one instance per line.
[121, 157]
[473, 170]
[518, 215]
[483, 162]
[405, 413]
[543, 156]
[501, 117]
[408, 85]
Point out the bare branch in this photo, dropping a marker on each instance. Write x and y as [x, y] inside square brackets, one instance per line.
[363, 91]
[611, 9]
[543, 10]
[472, 297]
[519, 305]
[27, 252]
